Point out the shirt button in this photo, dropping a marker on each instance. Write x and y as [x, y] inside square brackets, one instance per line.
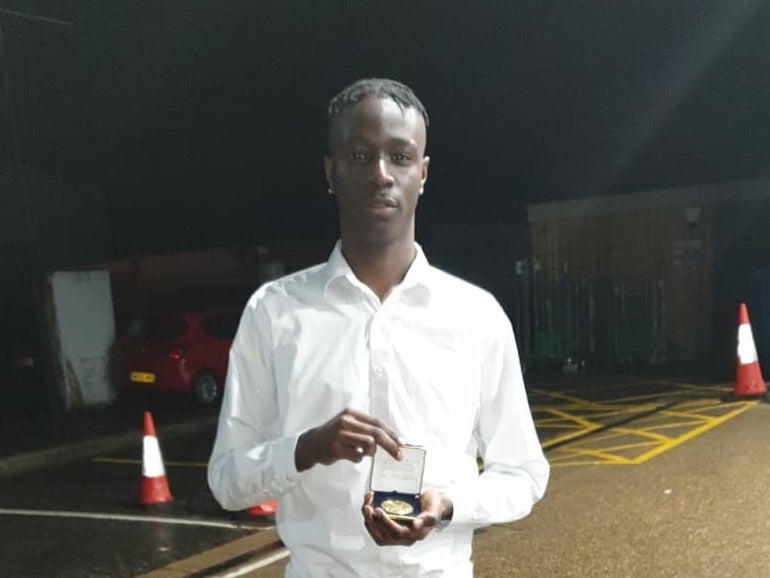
[378, 370]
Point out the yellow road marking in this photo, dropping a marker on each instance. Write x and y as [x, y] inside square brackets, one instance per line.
[674, 424]
[572, 418]
[642, 433]
[606, 457]
[656, 443]
[564, 438]
[712, 423]
[622, 447]
[577, 400]
[648, 424]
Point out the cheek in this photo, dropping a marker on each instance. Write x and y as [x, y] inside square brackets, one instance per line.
[343, 176]
[413, 184]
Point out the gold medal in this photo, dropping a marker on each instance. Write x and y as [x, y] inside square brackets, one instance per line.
[397, 507]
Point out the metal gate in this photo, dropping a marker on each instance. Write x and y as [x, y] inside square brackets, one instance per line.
[563, 316]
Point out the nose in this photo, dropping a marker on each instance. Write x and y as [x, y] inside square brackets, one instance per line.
[381, 174]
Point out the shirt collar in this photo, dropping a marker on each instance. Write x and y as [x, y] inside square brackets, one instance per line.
[416, 281]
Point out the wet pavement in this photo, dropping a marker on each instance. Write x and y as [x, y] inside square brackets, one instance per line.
[109, 548]
[697, 509]
[70, 496]
[31, 441]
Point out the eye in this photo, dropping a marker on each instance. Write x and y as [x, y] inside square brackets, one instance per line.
[401, 158]
[358, 156]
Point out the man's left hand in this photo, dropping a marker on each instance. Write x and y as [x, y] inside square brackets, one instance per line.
[387, 532]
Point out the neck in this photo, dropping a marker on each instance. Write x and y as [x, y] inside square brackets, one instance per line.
[380, 267]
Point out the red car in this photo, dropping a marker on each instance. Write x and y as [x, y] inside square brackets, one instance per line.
[177, 351]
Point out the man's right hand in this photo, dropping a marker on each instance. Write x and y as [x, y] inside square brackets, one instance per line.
[349, 435]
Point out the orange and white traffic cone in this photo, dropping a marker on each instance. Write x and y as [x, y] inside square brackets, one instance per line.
[749, 383]
[264, 509]
[155, 488]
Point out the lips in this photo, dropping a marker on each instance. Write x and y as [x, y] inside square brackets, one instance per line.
[382, 203]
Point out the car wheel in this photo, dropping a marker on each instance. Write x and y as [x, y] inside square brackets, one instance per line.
[205, 388]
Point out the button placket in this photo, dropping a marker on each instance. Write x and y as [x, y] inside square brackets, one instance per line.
[378, 368]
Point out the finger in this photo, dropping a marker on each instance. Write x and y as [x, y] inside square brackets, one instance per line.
[367, 508]
[394, 530]
[366, 443]
[354, 449]
[368, 437]
[387, 441]
[430, 514]
[376, 530]
[368, 512]
[423, 525]
[379, 534]
[362, 444]
[357, 453]
[383, 434]
[388, 533]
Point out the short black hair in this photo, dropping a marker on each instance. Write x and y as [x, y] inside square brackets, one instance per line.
[349, 96]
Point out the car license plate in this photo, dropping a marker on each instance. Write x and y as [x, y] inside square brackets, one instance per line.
[142, 377]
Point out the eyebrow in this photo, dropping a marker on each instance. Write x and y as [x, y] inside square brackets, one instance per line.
[397, 141]
[404, 141]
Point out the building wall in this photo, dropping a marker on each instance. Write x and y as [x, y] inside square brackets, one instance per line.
[638, 270]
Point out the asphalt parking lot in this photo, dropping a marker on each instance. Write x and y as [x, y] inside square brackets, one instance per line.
[691, 503]
[697, 510]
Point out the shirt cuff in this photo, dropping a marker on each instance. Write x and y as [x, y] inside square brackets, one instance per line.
[285, 464]
[462, 504]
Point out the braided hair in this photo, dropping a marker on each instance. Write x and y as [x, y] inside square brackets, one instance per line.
[349, 96]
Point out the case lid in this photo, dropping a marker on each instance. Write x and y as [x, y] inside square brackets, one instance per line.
[404, 477]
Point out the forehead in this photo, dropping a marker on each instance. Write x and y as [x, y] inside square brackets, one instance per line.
[379, 118]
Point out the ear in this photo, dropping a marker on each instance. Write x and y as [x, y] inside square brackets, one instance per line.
[328, 170]
[425, 163]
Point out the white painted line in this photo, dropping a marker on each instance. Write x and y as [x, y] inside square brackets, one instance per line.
[246, 568]
[38, 17]
[128, 518]
[134, 462]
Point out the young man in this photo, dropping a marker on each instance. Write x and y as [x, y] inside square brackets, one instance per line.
[376, 348]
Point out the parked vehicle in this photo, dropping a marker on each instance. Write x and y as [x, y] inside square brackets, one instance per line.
[176, 351]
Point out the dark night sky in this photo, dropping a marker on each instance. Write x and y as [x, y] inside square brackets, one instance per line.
[205, 120]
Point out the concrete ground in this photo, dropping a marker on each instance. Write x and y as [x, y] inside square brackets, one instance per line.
[700, 510]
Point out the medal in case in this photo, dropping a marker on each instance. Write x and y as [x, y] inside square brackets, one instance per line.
[397, 484]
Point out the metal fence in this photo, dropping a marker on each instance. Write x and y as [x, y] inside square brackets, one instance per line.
[564, 316]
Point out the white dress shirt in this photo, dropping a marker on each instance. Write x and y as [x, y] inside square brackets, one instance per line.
[436, 360]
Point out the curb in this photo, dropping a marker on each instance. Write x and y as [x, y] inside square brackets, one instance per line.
[21, 463]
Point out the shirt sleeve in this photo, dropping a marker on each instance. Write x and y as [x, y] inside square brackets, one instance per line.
[251, 461]
[515, 470]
